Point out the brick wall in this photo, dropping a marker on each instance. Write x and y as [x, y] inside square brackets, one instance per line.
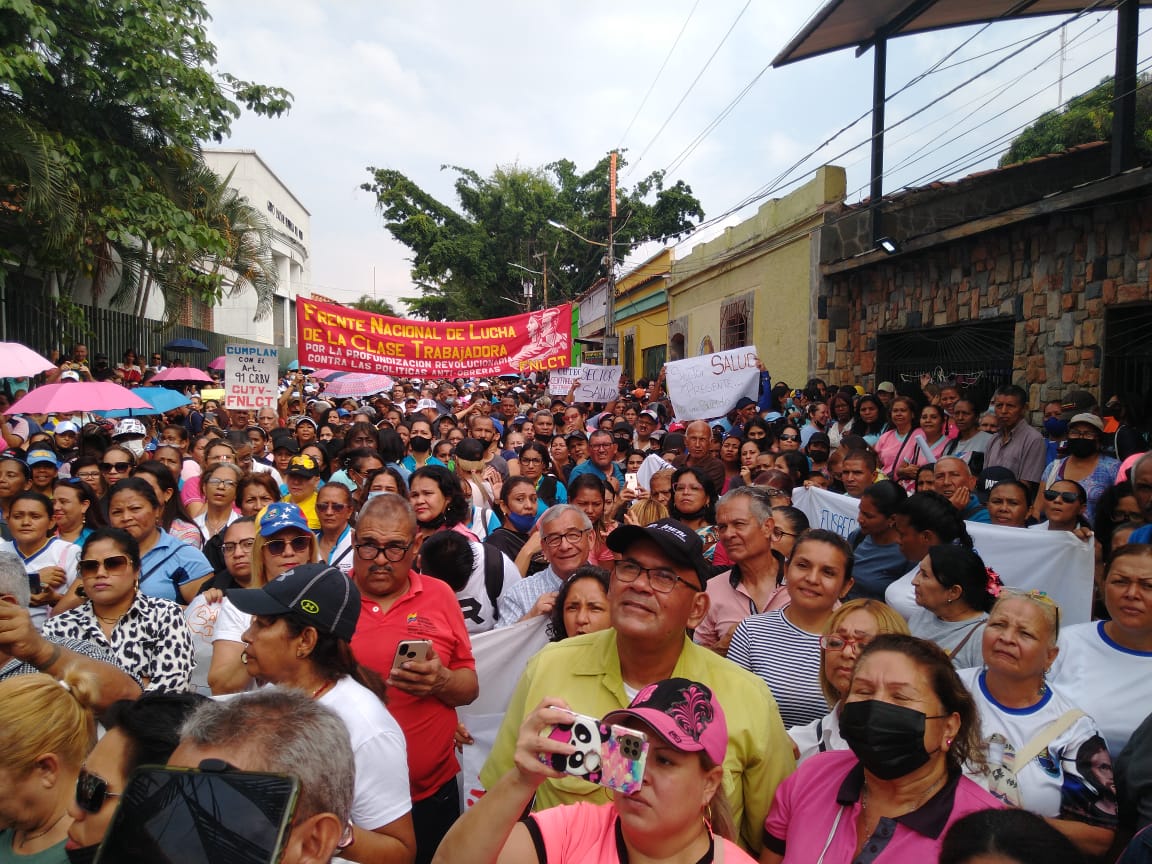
[1054, 275]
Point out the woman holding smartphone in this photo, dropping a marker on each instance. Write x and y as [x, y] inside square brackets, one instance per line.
[680, 812]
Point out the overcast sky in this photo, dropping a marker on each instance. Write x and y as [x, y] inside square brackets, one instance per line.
[413, 86]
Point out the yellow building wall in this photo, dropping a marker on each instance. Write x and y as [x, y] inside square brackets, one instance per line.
[769, 256]
[650, 326]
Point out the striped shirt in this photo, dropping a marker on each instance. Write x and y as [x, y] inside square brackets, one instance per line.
[787, 658]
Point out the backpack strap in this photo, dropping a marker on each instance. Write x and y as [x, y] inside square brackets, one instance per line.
[493, 576]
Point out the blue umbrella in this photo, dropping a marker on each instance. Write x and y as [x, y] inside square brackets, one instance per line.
[295, 366]
[160, 398]
[192, 345]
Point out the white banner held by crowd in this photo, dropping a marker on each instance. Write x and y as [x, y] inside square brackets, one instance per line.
[501, 656]
[704, 388]
[596, 383]
[1055, 562]
[250, 377]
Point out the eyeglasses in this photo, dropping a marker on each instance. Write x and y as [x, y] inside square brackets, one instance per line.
[682, 488]
[332, 507]
[392, 551]
[553, 541]
[839, 643]
[88, 476]
[242, 545]
[527, 461]
[1127, 516]
[1066, 497]
[91, 792]
[789, 437]
[661, 581]
[91, 566]
[118, 467]
[1082, 433]
[220, 481]
[603, 445]
[298, 544]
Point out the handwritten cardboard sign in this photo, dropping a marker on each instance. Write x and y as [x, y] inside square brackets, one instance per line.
[707, 387]
[250, 377]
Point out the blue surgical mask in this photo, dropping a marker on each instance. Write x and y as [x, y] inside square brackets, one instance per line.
[1055, 427]
[523, 524]
[375, 494]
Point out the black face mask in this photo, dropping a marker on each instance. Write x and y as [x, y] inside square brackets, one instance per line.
[818, 455]
[420, 444]
[887, 739]
[1081, 448]
[1111, 411]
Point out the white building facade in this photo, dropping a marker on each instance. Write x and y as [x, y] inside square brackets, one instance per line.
[291, 228]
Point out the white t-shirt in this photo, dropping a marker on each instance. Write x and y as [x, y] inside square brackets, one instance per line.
[201, 617]
[1111, 682]
[1051, 784]
[819, 736]
[55, 553]
[381, 794]
[475, 604]
[230, 622]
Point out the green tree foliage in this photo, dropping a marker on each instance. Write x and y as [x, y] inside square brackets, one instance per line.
[461, 258]
[1086, 118]
[380, 306]
[110, 101]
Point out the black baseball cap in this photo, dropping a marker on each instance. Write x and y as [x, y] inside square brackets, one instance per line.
[317, 595]
[675, 539]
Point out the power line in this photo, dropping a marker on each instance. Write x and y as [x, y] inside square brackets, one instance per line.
[691, 86]
[776, 183]
[659, 72]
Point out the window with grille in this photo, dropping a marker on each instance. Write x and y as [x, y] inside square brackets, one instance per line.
[735, 321]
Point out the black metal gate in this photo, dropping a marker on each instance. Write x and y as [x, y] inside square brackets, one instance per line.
[977, 356]
[1127, 352]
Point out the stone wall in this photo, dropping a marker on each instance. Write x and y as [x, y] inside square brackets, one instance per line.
[1054, 275]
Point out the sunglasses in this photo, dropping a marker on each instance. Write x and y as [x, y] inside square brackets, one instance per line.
[91, 566]
[789, 437]
[277, 547]
[118, 467]
[92, 791]
[332, 507]
[1066, 497]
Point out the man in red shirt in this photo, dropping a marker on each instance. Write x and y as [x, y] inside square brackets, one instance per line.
[399, 605]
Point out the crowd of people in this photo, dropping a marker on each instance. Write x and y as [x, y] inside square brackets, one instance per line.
[298, 589]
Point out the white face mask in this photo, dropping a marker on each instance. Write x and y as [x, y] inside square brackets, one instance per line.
[136, 448]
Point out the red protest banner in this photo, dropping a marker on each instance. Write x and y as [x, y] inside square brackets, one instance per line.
[338, 337]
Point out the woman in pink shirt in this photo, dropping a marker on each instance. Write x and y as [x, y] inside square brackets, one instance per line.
[911, 727]
[678, 813]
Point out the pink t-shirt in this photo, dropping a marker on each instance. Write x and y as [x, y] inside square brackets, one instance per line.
[830, 783]
[729, 606]
[586, 834]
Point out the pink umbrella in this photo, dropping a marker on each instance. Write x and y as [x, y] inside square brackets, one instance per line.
[357, 384]
[217, 364]
[20, 361]
[70, 396]
[181, 375]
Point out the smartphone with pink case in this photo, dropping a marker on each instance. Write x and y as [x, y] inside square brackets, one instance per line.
[612, 756]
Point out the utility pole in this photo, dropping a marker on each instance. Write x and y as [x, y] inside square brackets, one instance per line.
[544, 255]
[611, 349]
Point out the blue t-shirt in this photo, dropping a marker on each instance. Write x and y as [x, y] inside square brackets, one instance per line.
[168, 563]
[875, 567]
[586, 467]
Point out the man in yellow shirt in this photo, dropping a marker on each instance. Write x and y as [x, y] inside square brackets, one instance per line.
[657, 592]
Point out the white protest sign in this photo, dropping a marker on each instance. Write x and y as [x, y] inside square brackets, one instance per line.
[250, 377]
[560, 381]
[1055, 562]
[596, 383]
[703, 388]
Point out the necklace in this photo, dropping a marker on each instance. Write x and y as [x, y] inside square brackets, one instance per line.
[28, 838]
[919, 803]
[112, 621]
[323, 688]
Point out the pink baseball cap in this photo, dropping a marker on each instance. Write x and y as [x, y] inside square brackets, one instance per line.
[684, 713]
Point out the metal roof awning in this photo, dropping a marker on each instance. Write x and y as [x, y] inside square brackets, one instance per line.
[859, 24]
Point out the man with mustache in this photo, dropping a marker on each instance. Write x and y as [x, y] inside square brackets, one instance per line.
[656, 594]
[399, 605]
